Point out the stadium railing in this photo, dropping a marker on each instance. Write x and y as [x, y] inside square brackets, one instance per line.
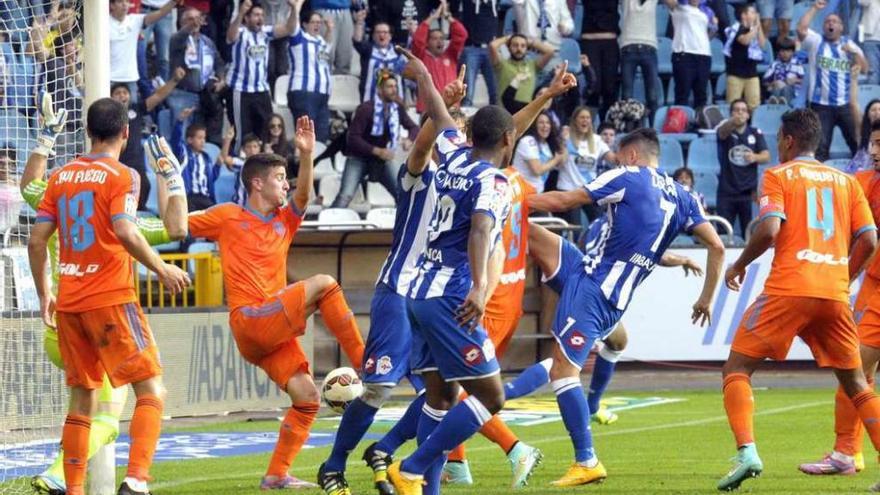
[207, 283]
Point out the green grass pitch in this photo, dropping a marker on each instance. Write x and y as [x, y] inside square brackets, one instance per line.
[681, 447]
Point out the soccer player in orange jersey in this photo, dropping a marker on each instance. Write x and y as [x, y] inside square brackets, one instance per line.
[821, 226]
[266, 314]
[101, 328]
[846, 457]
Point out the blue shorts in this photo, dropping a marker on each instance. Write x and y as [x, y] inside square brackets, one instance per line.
[570, 259]
[440, 344]
[776, 9]
[386, 355]
[583, 315]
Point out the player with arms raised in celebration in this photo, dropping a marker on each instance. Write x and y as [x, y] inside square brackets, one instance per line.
[646, 211]
[101, 328]
[821, 226]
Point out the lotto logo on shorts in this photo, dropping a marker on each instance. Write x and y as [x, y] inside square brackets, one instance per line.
[577, 339]
[472, 355]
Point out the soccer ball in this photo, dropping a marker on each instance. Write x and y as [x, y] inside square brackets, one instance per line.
[340, 387]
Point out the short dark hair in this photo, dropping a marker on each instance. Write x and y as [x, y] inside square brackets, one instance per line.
[259, 165]
[249, 138]
[645, 138]
[875, 126]
[306, 16]
[106, 119]
[606, 125]
[488, 126]
[8, 151]
[194, 128]
[803, 125]
[784, 44]
[118, 85]
[683, 171]
[517, 35]
[255, 5]
[435, 30]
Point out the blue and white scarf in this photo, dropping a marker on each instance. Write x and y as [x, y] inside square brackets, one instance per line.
[379, 121]
[755, 51]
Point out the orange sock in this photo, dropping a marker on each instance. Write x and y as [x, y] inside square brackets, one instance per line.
[75, 442]
[341, 322]
[740, 406]
[457, 454]
[496, 430]
[868, 405]
[293, 434]
[847, 425]
[146, 423]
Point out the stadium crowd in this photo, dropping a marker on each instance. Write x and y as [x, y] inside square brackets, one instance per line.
[224, 80]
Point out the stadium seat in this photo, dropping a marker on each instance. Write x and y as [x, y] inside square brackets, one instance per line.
[281, 85]
[768, 57]
[838, 163]
[224, 184]
[770, 139]
[378, 196]
[338, 219]
[328, 188]
[664, 55]
[660, 116]
[718, 65]
[571, 52]
[703, 160]
[345, 96]
[838, 149]
[671, 156]
[355, 69]
[768, 117]
[868, 92]
[481, 93]
[382, 217]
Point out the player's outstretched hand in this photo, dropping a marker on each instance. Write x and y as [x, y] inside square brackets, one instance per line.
[690, 266]
[174, 279]
[304, 140]
[455, 91]
[414, 67]
[52, 125]
[702, 315]
[470, 313]
[47, 311]
[733, 277]
[562, 81]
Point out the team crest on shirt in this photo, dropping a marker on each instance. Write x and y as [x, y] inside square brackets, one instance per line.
[577, 339]
[472, 354]
[256, 51]
[279, 228]
[384, 365]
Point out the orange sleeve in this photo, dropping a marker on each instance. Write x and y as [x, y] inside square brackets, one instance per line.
[772, 201]
[862, 219]
[124, 192]
[292, 216]
[208, 223]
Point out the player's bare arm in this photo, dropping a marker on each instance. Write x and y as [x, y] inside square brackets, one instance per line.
[561, 83]
[420, 155]
[559, 201]
[38, 257]
[688, 265]
[705, 232]
[861, 251]
[434, 105]
[470, 313]
[172, 277]
[496, 267]
[762, 239]
[304, 140]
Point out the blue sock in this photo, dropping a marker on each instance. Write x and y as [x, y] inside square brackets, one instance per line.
[418, 384]
[602, 373]
[460, 423]
[428, 422]
[576, 416]
[531, 379]
[405, 429]
[356, 420]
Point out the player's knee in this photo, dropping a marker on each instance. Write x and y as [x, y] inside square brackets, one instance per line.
[376, 395]
[324, 282]
[492, 400]
[617, 341]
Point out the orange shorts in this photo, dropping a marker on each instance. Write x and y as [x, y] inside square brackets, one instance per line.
[772, 322]
[500, 332]
[867, 312]
[266, 333]
[115, 340]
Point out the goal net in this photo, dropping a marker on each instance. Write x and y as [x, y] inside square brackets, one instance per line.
[41, 47]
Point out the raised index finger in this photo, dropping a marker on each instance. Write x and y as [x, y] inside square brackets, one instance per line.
[461, 73]
[403, 51]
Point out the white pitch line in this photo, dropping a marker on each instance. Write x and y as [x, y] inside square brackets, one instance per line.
[667, 426]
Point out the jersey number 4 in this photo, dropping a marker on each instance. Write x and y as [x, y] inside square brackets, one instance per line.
[80, 234]
[826, 222]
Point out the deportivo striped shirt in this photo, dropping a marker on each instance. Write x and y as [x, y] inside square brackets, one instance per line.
[250, 60]
[309, 61]
[829, 68]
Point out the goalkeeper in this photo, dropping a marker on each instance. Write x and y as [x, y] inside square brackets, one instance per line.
[105, 423]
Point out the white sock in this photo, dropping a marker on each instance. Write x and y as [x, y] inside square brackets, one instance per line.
[136, 484]
[590, 463]
[837, 456]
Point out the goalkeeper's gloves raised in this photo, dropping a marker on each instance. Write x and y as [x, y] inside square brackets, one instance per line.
[53, 124]
[164, 163]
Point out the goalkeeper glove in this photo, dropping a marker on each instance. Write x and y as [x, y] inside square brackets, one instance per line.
[164, 163]
[53, 124]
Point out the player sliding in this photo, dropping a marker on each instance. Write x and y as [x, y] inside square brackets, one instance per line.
[847, 458]
[821, 226]
[105, 423]
[646, 210]
[101, 328]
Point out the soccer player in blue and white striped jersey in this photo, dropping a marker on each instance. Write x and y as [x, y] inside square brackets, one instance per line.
[197, 167]
[309, 90]
[247, 72]
[831, 57]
